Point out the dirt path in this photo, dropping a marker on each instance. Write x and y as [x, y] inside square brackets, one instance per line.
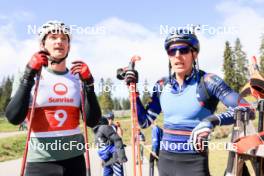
[13, 133]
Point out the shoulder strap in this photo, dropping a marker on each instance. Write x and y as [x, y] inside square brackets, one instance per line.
[201, 85]
[203, 96]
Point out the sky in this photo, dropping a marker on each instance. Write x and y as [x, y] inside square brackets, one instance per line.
[106, 34]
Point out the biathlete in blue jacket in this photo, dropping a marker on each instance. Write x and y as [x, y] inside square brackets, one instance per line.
[156, 134]
[188, 98]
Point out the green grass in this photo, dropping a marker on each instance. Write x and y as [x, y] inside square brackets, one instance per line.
[218, 158]
[5, 126]
[12, 149]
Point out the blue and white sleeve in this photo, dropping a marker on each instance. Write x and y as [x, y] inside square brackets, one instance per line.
[147, 115]
[218, 88]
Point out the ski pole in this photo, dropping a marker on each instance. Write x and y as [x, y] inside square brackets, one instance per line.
[87, 157]
[135, 131]
[121, 73]
[134, 118]
[150, 152]
[32, 113]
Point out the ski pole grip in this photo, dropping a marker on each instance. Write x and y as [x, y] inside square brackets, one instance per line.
[134, 58]
[254, 63]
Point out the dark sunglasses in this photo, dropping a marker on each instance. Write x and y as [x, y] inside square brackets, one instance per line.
[181, 49]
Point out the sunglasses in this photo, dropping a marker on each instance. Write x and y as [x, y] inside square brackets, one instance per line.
[181, 49]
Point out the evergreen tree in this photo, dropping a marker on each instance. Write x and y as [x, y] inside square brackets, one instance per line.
[261, 49]
[125, 104]
[229, 66]
[105, 95]
[5, 92]
[116, 104]
[101, 86]
[146, 97]
[241, 67]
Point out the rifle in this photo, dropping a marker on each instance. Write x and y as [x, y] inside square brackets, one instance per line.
[244, 134]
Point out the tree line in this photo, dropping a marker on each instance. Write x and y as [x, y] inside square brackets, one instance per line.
[108, 103]
[236, 65]
[5, 92]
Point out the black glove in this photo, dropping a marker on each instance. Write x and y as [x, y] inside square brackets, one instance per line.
[131, 76]
[120, 74]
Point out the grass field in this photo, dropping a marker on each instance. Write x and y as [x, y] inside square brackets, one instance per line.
[5, 126]
[12, 147]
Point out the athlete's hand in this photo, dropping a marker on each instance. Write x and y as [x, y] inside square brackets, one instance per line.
[38, 60]
[131, 76]
[154, 154]
[242, 110]
[200, 135]
[34, 65]
[81, 68]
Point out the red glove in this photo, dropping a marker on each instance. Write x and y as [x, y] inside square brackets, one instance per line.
[38, 60]
[83, 70]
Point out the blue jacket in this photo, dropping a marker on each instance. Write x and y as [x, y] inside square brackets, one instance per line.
[156, 138]
[182, 108]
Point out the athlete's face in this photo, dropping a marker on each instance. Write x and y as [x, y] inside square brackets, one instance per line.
[57, 45]
[181, 57]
